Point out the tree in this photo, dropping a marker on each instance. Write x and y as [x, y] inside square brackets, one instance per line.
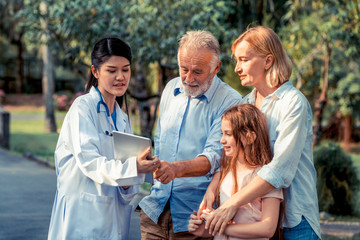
[60, 25]
[48, 81]
[154, 39]
[313, 36]
[346, 95]
[9, 26]
[35, 19]
[151, 27]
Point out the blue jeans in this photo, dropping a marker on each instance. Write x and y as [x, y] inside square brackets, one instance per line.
[302, 231]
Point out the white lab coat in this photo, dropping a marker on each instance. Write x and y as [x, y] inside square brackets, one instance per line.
[89, 204]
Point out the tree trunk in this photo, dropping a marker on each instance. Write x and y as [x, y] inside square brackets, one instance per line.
[20, 78]
[321, 102]
[48, 81]
[347, 126]
[259, 11]
[333, 129]
[17, 40]
[141, 95]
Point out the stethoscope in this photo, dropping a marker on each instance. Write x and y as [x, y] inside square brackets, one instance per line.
[101, 102]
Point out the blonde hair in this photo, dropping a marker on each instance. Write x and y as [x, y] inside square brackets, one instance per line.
[201, 39]
[264, 41]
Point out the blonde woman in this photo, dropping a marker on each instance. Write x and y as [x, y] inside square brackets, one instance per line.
[262, 62]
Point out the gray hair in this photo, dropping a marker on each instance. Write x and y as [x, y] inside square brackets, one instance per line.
[200, 39]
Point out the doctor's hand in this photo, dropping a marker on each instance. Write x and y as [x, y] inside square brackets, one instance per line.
[166, 172]
[145, 163]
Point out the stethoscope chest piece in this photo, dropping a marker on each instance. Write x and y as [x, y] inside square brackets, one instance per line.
[108, 133]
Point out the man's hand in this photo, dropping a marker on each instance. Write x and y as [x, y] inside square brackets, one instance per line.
[218, 219]
[144, 165]
[166, 172]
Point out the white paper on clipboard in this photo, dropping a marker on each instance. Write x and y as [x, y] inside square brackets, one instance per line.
[129, 145]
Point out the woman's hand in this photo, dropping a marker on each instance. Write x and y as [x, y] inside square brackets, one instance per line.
[146, 163]
[219, 219]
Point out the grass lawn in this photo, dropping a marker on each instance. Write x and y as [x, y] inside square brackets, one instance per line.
[27, 132]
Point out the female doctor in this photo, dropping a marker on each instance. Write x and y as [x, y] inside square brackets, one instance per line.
[94, 189]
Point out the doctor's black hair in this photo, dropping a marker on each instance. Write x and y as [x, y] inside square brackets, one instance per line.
[103, 50]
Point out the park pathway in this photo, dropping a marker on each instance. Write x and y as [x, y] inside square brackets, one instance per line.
[27, 191]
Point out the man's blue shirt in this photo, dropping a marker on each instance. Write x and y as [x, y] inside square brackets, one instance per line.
[188, 127]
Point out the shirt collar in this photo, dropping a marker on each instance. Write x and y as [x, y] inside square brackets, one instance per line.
[94, 94]
[121, 117]
[279, 93]
[208, 95]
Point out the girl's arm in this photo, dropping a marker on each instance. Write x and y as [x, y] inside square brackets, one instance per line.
[209, 197]
[265, 228]
[226, 212]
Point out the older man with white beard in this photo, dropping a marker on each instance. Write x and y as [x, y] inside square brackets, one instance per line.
[187, 138]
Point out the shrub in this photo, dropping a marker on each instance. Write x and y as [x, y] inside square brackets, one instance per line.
[64, 100]
[337, 181]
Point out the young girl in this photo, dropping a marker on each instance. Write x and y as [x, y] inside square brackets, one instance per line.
[93, 188]
[246, 149]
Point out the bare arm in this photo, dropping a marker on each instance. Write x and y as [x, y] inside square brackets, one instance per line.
[209, 197]
[188, 168]
[265, 228]
[217, 221]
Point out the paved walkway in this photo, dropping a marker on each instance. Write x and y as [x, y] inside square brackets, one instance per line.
[27, 191]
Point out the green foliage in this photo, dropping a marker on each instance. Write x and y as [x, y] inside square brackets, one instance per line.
[152, 28]
[73, 26]
[337, 183]
[232, 78]
[345, 87]
[311, 27]
[154, 35]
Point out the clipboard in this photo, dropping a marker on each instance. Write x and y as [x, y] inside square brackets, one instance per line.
[128, 145]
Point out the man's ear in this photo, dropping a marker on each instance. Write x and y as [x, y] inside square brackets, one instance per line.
[269, 60]
[250, 137]
[217, 68]
[94, 72]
